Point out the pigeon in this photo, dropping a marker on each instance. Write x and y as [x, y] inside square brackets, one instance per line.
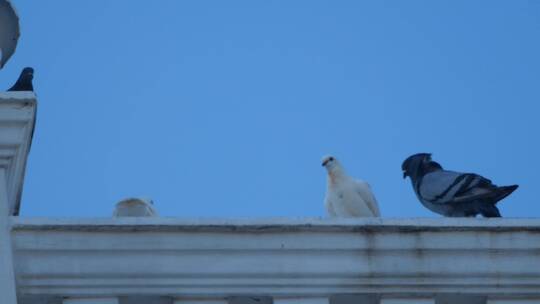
[135, 207]
[345, 196]
[450, 193]
[24, 83]
[9, 31]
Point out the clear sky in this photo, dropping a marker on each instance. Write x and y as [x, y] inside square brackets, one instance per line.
[225, 108]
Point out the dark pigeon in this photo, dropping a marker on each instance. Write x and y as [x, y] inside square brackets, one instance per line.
[450, 193]
[24, 83]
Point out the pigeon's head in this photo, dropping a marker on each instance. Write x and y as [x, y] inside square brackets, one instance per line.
[432, 166]
[330, 162]
[27, 73]
[414, 165]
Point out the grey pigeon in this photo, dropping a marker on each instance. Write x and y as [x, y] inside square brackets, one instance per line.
[450, 193]
[24, 83]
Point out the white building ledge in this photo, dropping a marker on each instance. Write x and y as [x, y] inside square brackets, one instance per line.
[280, 258]
[17, 117]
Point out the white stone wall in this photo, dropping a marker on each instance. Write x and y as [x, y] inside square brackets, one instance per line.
[288, 260]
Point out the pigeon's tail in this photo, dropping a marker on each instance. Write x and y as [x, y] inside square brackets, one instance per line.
[488, 210]
[503, 192]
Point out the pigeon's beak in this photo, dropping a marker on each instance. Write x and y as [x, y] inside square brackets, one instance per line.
[405, 174]
[325, 162]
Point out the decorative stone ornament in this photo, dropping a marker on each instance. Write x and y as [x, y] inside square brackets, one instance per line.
[9, 31]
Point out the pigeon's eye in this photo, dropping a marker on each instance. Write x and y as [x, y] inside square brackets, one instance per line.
[331, 159]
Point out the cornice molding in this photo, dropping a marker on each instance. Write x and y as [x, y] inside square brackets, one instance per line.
[17, 118]
[276, 257]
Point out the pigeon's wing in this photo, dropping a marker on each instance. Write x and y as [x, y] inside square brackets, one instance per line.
[9, 31]
[151, 211]
[364, 190]
[444, 187]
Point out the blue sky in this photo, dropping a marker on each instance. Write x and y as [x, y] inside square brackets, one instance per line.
[225, 108]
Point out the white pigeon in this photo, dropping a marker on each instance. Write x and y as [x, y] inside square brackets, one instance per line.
[345, 196]
[135, 207]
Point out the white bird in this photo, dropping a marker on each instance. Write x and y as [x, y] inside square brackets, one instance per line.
[345, 196]
[135, 207]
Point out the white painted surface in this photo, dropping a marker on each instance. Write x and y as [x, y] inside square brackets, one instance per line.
[302, 300]
[90, 301]
[276, 257]
[282, 224]
[7, 277]
[17, 113]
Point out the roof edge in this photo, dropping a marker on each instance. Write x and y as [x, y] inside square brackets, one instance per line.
[17, 121]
